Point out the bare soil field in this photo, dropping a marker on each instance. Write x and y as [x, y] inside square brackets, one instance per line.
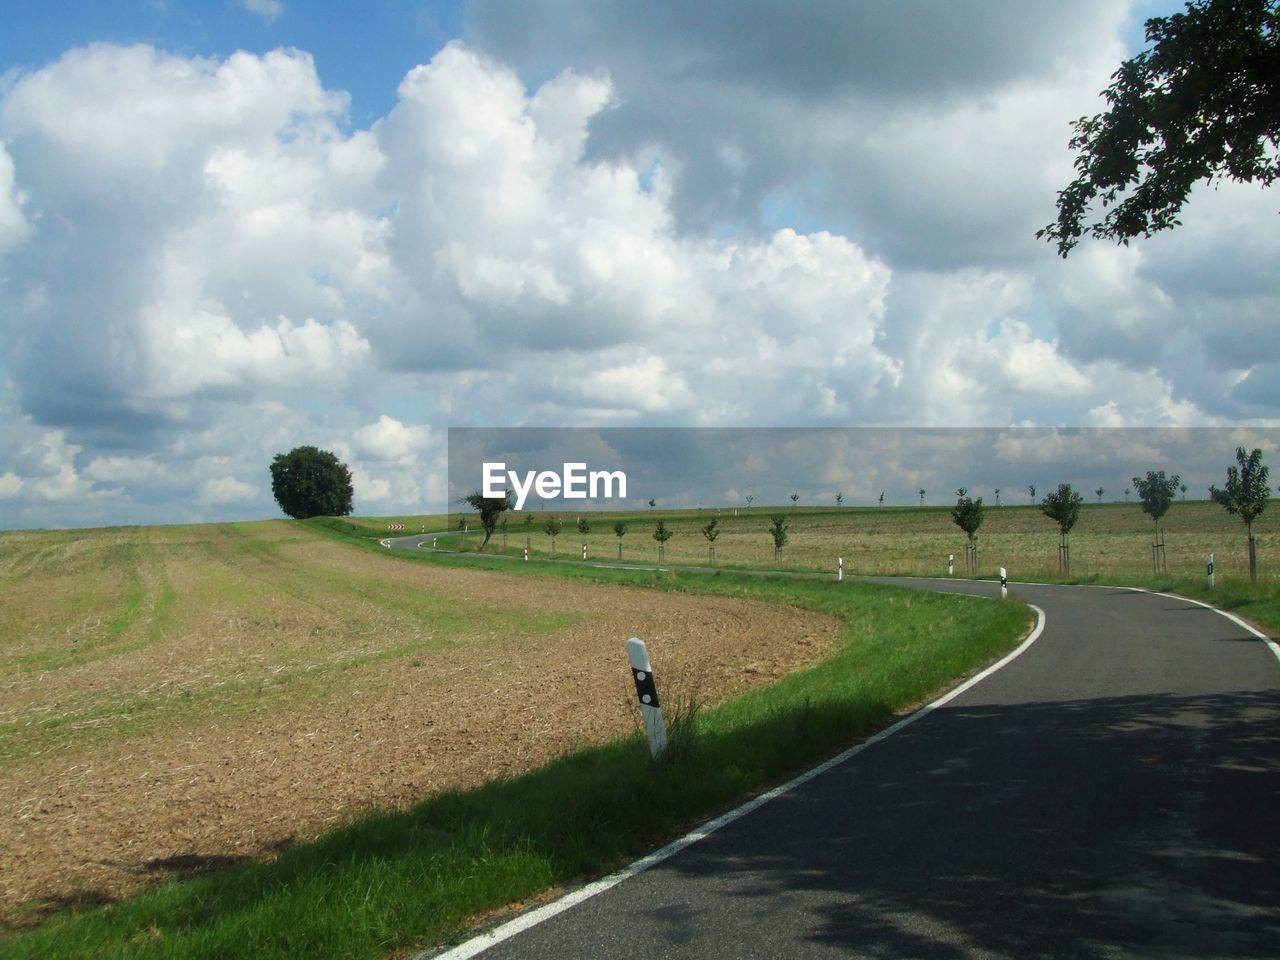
[176, 698]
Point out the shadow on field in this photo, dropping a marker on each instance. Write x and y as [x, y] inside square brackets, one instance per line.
[1079, 829]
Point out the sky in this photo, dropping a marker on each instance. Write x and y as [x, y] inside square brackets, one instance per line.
[233, 227]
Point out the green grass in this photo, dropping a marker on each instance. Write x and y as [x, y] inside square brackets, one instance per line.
[406, 879]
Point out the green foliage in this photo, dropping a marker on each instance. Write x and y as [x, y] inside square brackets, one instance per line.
[839, 499]
[1202, 103]
[778, 530]
[490, 509]
[1247, 488]
[795, 498]
[620, 529]
[1100, 491]
[711, 530]
[309, 482]
[967, 513]
[1156, 493]
[553, 526]
[584, 525]
[1063, 507]
[661, 533]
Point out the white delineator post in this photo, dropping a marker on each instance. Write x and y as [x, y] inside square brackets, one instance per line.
[647, 691]
[839, 568]
[1208, 569]
[951, 564]
[1004, 584]
[584, 551]
[526, 553]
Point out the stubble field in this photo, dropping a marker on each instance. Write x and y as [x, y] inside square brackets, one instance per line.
[174, 699]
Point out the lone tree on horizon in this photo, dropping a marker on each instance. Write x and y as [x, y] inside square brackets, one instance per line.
[1245, 496]
[619, 531]
[490, 509]
[310, 482]
[1100, 492]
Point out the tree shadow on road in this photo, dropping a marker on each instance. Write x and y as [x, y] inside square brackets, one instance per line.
[1127, 826]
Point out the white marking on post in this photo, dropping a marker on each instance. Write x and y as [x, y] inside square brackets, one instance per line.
[839, 568]
[1004, 584]
[584, 551]
[482, 942]
[1209, 571]
[951, 564]
[647, 692]
[526, 553]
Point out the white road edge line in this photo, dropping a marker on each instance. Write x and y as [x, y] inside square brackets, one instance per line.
[1271, 644]
[482, 942]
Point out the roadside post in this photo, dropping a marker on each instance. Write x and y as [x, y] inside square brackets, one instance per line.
[1208, 569]
[647, 692]
[584, 551]
[526, 553]
[433, 543]
[951, 564]
[1004, 584]
[839, 569]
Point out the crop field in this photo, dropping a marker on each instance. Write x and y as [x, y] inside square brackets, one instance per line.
[174, 699]
[337, 748]
[1110, 541]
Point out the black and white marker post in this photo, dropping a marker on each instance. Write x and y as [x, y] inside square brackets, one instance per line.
[839, 568]
[1004, 584]
[647, 691]
[1208, 569]
[951, 564]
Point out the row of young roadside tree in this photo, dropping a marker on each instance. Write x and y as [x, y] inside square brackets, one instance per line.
[1245, 495]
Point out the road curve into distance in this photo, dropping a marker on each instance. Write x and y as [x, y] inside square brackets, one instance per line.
[1112, 792]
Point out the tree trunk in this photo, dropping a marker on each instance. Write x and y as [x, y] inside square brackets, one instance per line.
[1253, 557]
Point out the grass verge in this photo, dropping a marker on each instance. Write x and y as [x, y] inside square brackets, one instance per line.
[399, 880]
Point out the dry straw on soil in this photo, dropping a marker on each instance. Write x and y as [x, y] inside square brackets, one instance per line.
[175, 698]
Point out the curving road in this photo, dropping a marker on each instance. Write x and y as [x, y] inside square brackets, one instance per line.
[1112, 792]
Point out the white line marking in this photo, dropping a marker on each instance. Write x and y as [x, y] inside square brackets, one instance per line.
[506, 931]
[1271, 644]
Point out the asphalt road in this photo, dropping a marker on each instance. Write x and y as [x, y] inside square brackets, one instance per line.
[1113, 792]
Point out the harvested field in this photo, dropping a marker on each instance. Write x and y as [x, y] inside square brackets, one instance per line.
[174, 698]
